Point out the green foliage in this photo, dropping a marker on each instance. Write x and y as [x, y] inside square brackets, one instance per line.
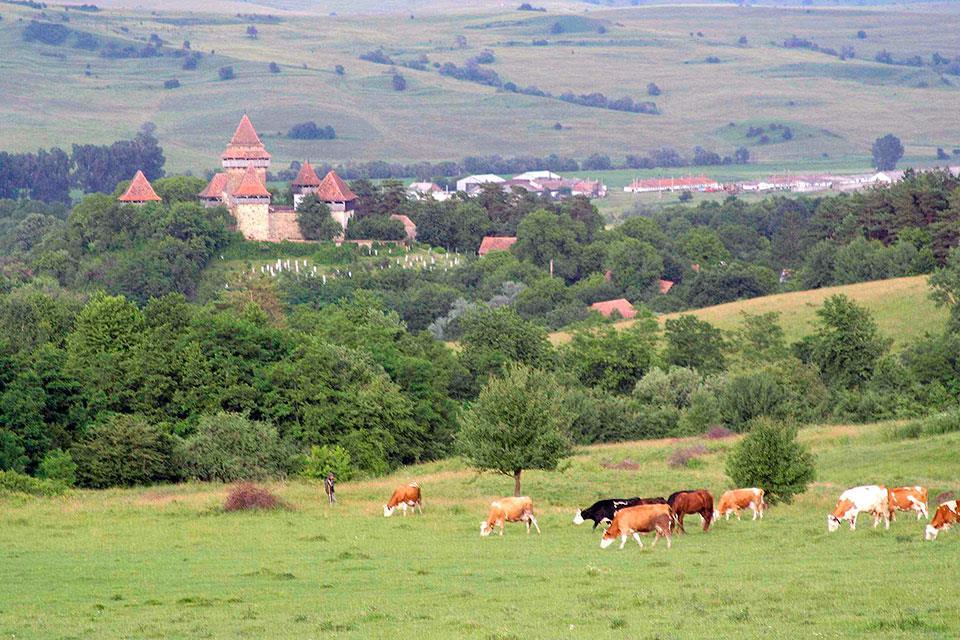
[760, 338]
[611, 359]
[770, 457]
[13, 482]
[695, 344]
[937, 424]
[887, 151]
[123, 451]
[636, 266]
[321, 461]
[58, 466]
[747, 396]
[945, 285]
[847, 343]
[376, 228]
[315, 220]
[230, 447]
[13, 457]
[514, 424]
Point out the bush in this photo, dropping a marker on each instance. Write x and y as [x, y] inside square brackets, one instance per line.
[686, 457]
[124, 451]
[325, 460]
[248, 497]
[310, 131]
[750, 396]
[227, 73]
[58, 466]
[173, 83]
[948, 422]
[13, 482]
[771, 458]
[273, 67]
[399, 82]
[229, 447]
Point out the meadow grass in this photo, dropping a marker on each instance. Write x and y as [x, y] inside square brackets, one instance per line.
[836, 108]
[901, 306]
[167, 562]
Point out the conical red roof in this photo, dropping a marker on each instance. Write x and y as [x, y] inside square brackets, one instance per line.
[140, 190]
[216, 186]
[307, 177]
[250, 186]
[334, 189]
[245, 134]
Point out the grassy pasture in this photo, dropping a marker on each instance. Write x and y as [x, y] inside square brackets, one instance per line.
[901, 307]
[165, 562]
[836, 108]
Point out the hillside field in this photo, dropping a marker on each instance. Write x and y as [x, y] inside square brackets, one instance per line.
[901, 306]
[58, 94]
[166, 562]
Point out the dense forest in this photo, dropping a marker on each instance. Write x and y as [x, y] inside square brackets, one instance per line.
[121, 368]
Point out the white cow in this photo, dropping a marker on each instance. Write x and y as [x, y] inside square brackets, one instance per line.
[872, 499]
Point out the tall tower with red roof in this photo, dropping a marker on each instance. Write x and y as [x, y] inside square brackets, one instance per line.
[246, 148]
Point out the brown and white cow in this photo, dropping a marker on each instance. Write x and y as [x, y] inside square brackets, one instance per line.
[946, 515]
[632, 521]
[403, 497]
[509, 510]
[736, 499]
[908, 499]
[872, 499]
[689, 502]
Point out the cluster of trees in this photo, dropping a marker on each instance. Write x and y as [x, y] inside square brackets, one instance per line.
[48, 175]
[793, 42]
[310, 131]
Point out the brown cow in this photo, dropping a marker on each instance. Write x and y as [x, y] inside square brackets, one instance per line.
[633, 521]
[908, 499]
[403, 497]
[691, 501]
[946, 515]
[736, 499]
[509, 510]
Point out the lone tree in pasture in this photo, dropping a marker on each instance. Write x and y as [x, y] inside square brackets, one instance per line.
[771, 458]
[887, 151]
[315, 220]
[252, 32]
[516, 424]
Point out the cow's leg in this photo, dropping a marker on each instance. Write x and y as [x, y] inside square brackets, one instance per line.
[535, 525]
[527, 522]
[727, 516]
[502, 522]
[738, 514]
[403, 506]
[623, 541]
[419, 507]
[680, 523]
[705, 516]
[636, 536]
[853, 522]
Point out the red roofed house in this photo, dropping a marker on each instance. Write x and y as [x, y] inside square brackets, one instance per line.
[665, 285]
[688, 183]
[140, 191]
[338, 196]
[408, 226]
[621, 305]
[495, 243]
[305, 183]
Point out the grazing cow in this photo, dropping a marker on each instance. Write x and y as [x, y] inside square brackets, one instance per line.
[691, 501]
[872, 499]
[947, 514]
[509, 510]
[403, 497]
[736, 499]
[642, 518]
[908, 499]
[605, 509]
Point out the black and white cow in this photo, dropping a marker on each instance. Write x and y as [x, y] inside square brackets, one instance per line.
[604, 510]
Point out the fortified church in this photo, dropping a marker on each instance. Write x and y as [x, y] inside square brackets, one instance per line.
[242, 188]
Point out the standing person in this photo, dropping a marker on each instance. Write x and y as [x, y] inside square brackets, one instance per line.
[328, 483]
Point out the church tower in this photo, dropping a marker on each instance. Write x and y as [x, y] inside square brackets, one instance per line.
[245, 148]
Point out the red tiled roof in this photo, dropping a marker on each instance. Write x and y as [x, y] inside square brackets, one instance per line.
[245, 135]
[674, 183]
[334, 189]
[250, 186]
[409, 227]
[216, 187]
[496, 243]
[245, 143]
[620, 305]
[140, 190]
[665, 285]
[307, 177]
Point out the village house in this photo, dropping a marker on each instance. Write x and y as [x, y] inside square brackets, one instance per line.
[489, 244]
[423, 190]
[688, 183]
[471, 184]
[620, 306]
[139, 192]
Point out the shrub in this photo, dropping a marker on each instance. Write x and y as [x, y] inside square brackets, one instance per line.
[399, 82]
[327, 459]
[339, 70]
[227, 73]
[13, 482]
[750, 396]
[310, 131]
[687, 456]
[58, 466]
[771, 458]
[124, 451]
[718, 433]
[273, 67]
[228, 447]
[248, 497]
[948, 422]
[172, 83]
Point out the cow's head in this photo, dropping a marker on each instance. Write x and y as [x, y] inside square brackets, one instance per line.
[578, 519]
[485, 528]
[833, 523]
[930, 533]
[387, 511]
[606, 541]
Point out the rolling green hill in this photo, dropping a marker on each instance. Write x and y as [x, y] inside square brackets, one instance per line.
[901, 306]
[59, 94]
[167, 562]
